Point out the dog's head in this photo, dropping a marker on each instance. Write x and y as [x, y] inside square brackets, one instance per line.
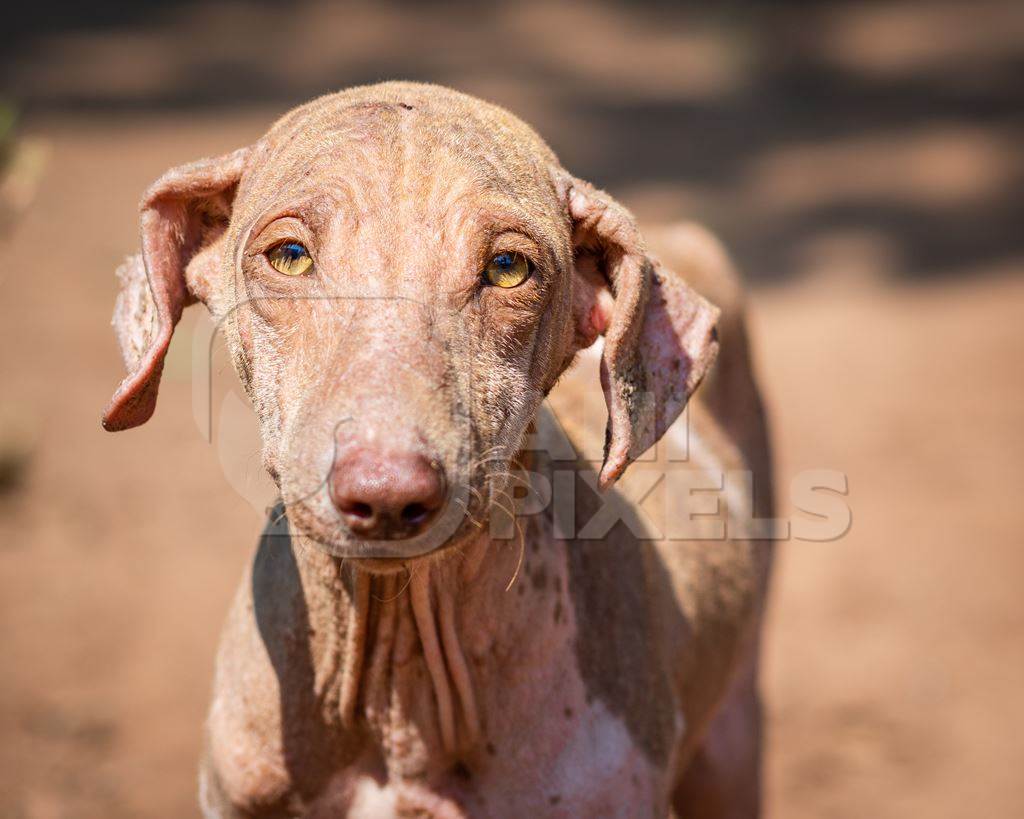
[402, 273]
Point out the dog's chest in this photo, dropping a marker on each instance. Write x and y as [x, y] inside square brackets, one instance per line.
[550, 750]
[592, 768]
[550, 742]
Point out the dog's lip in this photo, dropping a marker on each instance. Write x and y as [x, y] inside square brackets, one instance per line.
[383, 565]
[401, 565]
[331, 537]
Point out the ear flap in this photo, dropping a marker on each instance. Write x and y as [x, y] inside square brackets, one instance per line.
[186, 209]
[660, 336]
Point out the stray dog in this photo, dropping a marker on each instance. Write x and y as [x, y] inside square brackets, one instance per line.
[402, 274]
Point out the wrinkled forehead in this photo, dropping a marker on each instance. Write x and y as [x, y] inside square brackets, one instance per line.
[405, 148]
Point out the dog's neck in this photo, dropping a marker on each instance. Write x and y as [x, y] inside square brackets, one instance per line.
[456, 616]
[445, 610]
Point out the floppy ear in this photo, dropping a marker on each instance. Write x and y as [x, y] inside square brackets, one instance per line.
[182, 213]
[660, 336]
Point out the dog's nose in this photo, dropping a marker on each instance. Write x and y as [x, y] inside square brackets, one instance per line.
[386, 495]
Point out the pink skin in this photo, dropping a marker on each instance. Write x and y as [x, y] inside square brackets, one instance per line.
[394, 390]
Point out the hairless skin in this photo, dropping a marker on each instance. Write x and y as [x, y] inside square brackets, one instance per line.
[402, 273]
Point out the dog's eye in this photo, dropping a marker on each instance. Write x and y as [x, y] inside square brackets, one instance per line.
[507, 270]
[290, 258]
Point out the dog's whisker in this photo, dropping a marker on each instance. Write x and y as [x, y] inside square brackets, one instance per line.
[522, 554]
[409, 573]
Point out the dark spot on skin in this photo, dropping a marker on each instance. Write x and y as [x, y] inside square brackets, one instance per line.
[568, 712]
[491, 749]
[539, 578]
[405, 105]
[522, 589]
[632, 388]
[554, 800]
[460, 771]
[558, 611]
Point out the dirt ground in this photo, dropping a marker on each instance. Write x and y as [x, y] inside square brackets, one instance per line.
[887, 264]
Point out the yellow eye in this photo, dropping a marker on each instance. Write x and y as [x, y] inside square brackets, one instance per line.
[507, 270]
[290, 258]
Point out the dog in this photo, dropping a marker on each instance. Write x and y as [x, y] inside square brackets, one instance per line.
[432, 625]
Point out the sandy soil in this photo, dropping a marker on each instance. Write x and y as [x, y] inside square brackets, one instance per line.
[894, 662]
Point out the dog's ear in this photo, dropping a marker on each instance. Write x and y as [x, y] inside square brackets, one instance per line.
[659, 334]
[182, 213]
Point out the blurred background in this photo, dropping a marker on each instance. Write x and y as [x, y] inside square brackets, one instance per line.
[863, 162]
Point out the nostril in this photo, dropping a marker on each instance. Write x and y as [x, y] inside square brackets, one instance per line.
[358, 509]
[414, 513]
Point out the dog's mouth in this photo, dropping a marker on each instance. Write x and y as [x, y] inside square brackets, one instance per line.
[462, 517]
